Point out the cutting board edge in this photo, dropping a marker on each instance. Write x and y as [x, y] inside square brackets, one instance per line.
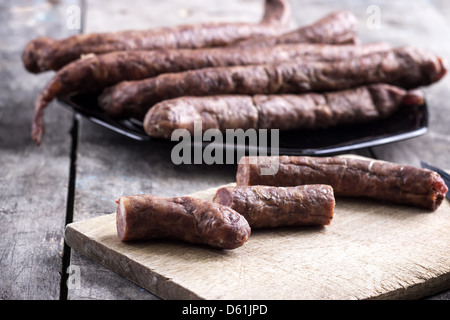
[169, 290]
[159, 285]
[417, 291]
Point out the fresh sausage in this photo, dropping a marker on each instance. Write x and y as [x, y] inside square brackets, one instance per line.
[143, 217]
[268, 207]
[349, 177]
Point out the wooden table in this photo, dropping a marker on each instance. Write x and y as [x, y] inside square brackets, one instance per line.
[81, 168]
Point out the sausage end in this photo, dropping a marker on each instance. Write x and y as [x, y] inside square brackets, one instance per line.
[32, 52]
[120, 219]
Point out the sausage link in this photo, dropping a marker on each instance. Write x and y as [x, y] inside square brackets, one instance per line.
[324, 110]
[349, 177]
[216, 112]
[44, 54]
[143, 217]
[282, 111]
[269, 207]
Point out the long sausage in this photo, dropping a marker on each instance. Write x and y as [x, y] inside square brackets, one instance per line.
[349, 177]
[143, 217]
[44, 54]
[282, 111]
[406, 67]
[95, 73]
[269, 207]
[338, 27]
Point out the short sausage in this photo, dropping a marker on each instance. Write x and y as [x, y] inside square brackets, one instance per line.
[143, 217]
[268, 207]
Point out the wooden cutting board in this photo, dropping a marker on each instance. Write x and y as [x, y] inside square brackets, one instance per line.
[370, 250]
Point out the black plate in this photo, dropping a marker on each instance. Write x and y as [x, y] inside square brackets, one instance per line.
[406, 123]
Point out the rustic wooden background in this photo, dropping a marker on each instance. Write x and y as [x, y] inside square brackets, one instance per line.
[81, 168]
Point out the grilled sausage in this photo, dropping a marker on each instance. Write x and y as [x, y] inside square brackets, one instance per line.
[93, 74]
[44, 54]
[406, 67]
[282, 111]
[349, 177]
[269, 207]
[143, 217]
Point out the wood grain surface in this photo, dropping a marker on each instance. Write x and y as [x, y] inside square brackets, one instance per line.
[33, 181]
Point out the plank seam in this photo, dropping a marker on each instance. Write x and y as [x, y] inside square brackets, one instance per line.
[70, 205]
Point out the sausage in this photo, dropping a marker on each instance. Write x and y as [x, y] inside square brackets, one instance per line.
[269, 207]
[196, 221]
[281, 111]
[44, 54]
[407, 67]
[346, 107]
[349, 177]
[339, 27]
[219, 112]
[93, 74]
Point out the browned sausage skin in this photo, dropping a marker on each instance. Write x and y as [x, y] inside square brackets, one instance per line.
[349, 177]
[143, 217]
[281, 111]
[269, 207]
[49, 54]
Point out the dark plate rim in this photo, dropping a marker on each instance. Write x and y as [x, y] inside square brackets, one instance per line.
[133, 129]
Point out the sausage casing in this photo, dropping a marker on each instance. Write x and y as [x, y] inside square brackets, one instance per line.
[268, 207]
[143, 217]
[44, 54]
[338, 27]
[278, 111]
[349, 177]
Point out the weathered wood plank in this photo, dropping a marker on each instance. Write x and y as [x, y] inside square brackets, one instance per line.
[33, 180]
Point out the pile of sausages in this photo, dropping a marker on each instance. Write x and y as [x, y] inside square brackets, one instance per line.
[315, 76]
[301, 191]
